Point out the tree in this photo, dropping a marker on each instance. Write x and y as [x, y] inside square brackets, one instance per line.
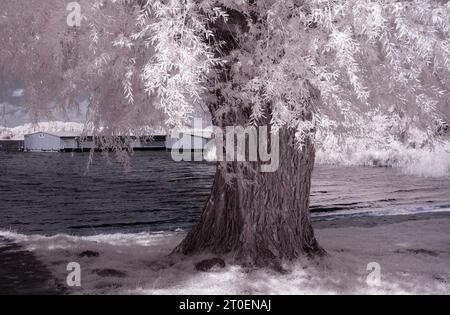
[297, 66]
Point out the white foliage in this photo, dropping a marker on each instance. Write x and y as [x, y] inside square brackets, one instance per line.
[141, 63]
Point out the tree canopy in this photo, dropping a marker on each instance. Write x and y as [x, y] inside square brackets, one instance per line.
[143, 63]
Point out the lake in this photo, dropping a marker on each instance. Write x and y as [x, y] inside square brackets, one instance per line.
[50, 193]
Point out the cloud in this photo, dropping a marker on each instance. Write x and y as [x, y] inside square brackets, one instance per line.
[18, 93]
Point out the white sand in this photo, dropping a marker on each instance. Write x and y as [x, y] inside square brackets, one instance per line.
[414, 257]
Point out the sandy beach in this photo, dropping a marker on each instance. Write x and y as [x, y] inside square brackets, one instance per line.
[413, 252]
[410, 253]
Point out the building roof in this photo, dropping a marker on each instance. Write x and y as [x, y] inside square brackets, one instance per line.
[200, 133]
[74, 135]
[56, 134]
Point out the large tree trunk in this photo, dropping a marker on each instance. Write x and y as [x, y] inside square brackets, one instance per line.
[260, 219]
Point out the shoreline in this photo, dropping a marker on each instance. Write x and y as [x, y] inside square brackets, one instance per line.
[412, 252]
[374, 221]
[22, 273]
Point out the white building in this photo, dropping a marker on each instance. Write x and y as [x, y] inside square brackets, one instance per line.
[50, 142]
[57, 142]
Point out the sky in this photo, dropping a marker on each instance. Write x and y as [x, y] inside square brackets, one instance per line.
[13, 112]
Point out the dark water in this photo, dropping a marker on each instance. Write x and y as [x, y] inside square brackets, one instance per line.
[49, 193]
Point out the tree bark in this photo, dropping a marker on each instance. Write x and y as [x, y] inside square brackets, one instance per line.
[260, 219]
